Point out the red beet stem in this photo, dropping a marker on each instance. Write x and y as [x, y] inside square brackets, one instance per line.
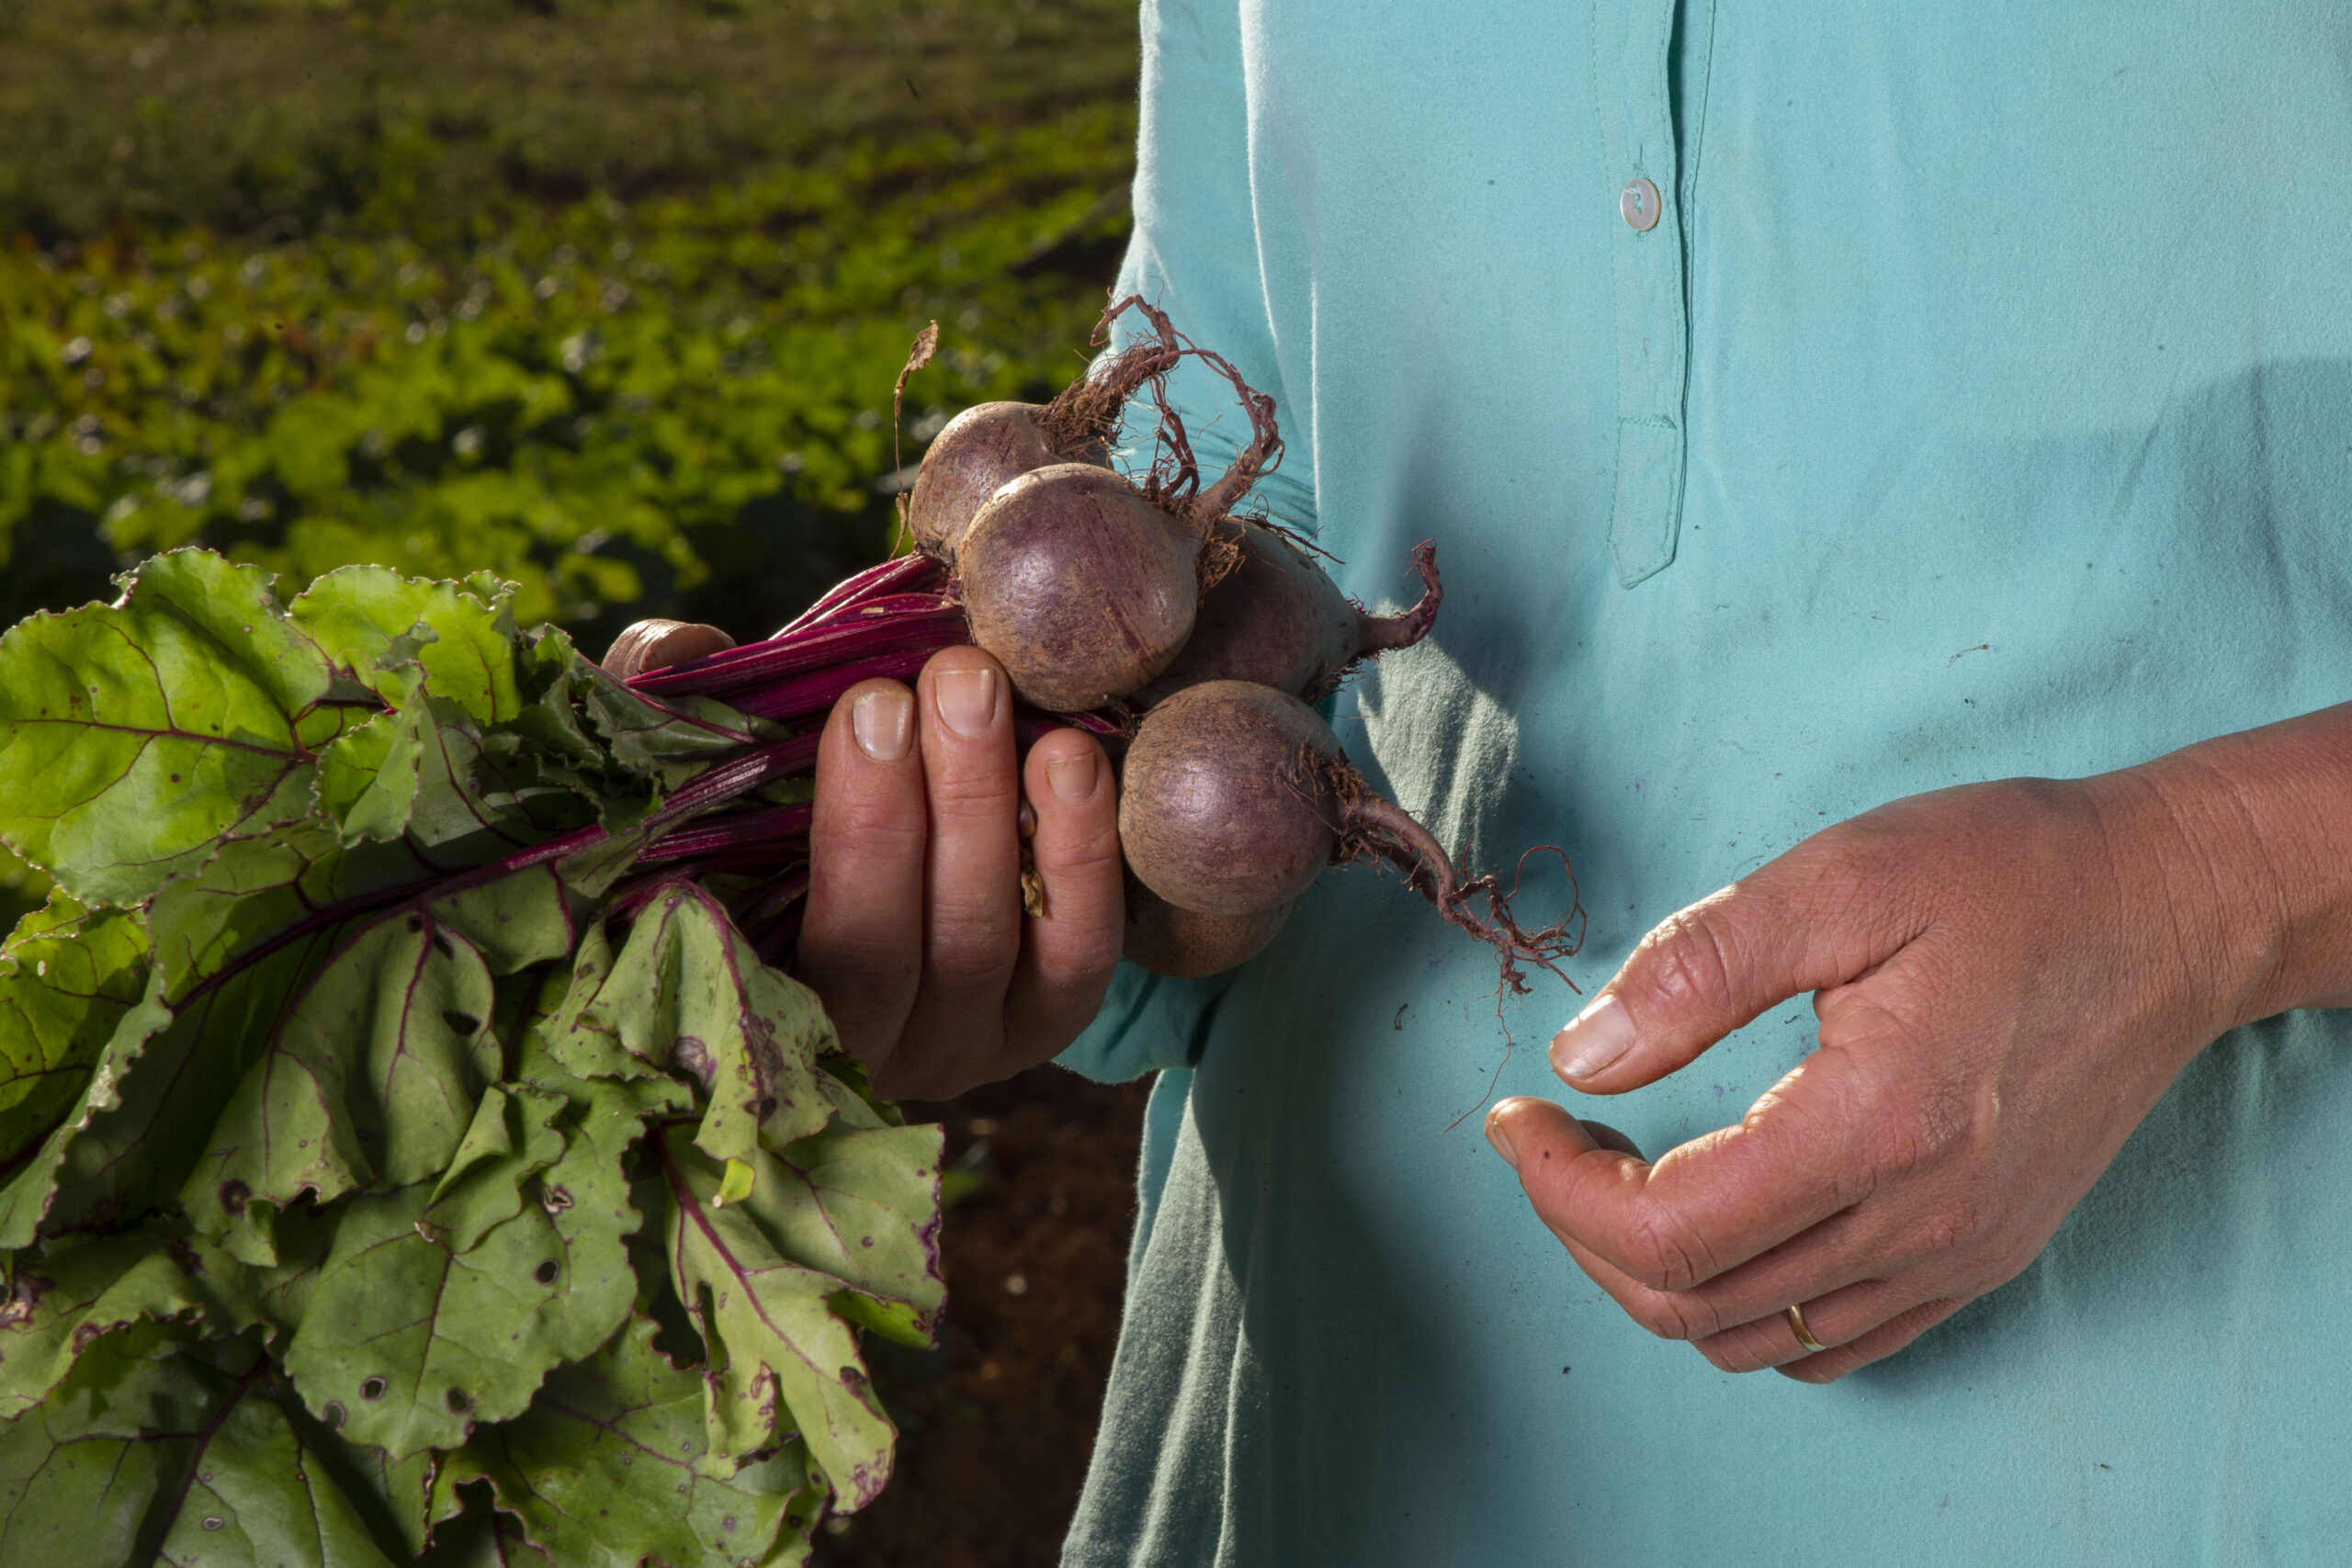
[804, 696]
[900, 574]
[1384, 634]
[756, 668]
[741, 775]
[769, 829]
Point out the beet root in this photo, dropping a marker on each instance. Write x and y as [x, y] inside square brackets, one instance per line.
[985, 448]
[1236, 796]
[1275, 618]
[970, 460]
[1078, 584]
[1222, 807]
[1187, 945]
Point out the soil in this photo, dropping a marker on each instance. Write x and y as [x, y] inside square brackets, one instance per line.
[995, 1423]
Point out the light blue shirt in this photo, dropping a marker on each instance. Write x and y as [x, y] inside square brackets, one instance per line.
[1979, 404]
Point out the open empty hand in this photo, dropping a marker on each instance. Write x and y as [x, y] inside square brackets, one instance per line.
[2007, 977]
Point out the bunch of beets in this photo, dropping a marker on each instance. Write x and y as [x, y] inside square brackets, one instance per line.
[411, 1149]
[1192, 636]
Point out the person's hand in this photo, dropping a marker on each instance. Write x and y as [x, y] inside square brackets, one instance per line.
[2007, 979]
[915, 935]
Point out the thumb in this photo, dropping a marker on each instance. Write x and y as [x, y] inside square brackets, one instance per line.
[1797, 925]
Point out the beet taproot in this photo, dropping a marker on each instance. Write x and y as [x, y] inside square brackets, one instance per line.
[1235, 796]
[1278, 620]
[987, 447]
[1084, 584]
[1078, 584]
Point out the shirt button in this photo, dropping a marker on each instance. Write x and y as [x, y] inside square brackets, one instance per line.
[1639, 204]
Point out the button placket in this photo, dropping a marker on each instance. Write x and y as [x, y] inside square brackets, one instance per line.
[1630, 40]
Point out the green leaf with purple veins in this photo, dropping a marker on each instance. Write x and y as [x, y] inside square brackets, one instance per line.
[686, 992]
[67, 975]
[781, 1358]
[606, 1470]
[413, 1343]
[862, 1204]
[133, 737]
[99, 1152]
[367, 1078]
[467, 645]
[511, 1139]
[160, 1448]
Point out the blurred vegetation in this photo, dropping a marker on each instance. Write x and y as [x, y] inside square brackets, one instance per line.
[607, 295]
[604, 295]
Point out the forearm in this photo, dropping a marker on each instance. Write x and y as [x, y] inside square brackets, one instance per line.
[2255, 830]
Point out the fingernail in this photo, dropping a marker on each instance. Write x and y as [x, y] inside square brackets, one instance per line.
[1072, 777]
[966, 700]
[1593, 1038]
[1500, 1139]
[883, 721]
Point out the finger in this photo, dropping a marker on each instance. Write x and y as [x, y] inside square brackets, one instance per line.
[1836, 1318]
[657, 645]
[1068, 952]
[1878, 1344]
[1706, 1206]
[861, 942]
[1814, 917]
[972, 897]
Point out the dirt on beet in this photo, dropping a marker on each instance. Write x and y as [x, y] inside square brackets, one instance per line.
[997, 1423]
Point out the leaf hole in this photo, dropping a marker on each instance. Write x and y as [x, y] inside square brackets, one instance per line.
[545, 1273]
[415, 924]
[441, 945]
[373, 1389]
[457, 1401]
[334, 1415]
[463, 1023]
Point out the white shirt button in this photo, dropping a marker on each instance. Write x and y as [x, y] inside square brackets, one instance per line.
[1639, 204]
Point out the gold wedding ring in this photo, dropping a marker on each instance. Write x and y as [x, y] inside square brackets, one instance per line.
[1804, 1335]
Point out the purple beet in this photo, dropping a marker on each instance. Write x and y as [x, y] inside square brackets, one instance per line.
[1276, 619]
[1189, 945]
[1084, 585]
[984, 448]
[1081, 586]
[1235, 796]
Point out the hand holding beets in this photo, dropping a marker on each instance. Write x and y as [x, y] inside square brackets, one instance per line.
[1144, 610]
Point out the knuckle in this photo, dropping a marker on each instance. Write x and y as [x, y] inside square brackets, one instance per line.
[1669, 1317]
[1734, 1353]
[1955, 1224]
[1088, 856]
[1688, 960]
[970, 950]
[1666, 1255]
[979, 792]
[874, 824]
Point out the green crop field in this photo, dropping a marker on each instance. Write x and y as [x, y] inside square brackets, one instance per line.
[605, 295]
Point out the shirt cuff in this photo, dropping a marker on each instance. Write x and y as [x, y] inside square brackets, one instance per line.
[1147, 1022]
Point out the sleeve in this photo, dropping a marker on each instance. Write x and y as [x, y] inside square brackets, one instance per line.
[1194, 253]
[1196, 250]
